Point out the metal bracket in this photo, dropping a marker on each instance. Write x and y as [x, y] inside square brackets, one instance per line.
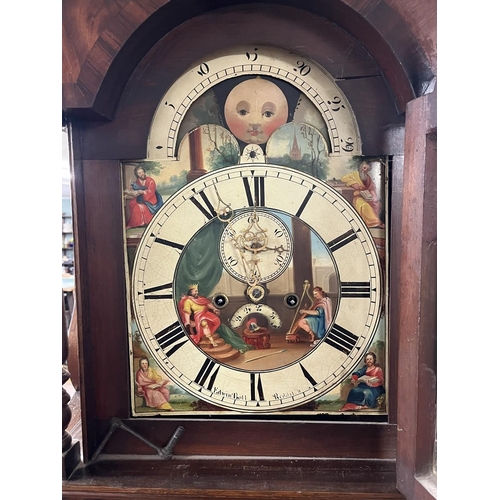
[166, 452]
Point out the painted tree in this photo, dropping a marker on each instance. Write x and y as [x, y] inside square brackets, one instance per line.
[315, 161]
[152, 168]
[223, 149]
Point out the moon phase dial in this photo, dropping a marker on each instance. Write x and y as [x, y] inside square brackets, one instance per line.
[292, 67]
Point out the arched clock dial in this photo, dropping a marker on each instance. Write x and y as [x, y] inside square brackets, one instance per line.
[187, 342]
[301, 72]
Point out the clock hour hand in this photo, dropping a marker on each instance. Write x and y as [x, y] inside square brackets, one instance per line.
[279, 249]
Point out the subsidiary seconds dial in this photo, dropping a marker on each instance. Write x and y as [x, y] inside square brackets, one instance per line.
[256, 247]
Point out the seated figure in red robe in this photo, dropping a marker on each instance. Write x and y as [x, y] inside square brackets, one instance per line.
[200, 314]
[145, 200]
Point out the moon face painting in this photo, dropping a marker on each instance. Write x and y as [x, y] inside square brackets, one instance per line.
[254, 109]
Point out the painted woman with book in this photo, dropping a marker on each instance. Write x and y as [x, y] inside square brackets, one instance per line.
[152, 386]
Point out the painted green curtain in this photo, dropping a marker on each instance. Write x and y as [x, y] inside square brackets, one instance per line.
[200, 264]
[200, 261]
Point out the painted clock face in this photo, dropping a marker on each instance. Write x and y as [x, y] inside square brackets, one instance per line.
[263, 302]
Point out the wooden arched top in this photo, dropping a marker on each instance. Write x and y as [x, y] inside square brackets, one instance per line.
[104, 41]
